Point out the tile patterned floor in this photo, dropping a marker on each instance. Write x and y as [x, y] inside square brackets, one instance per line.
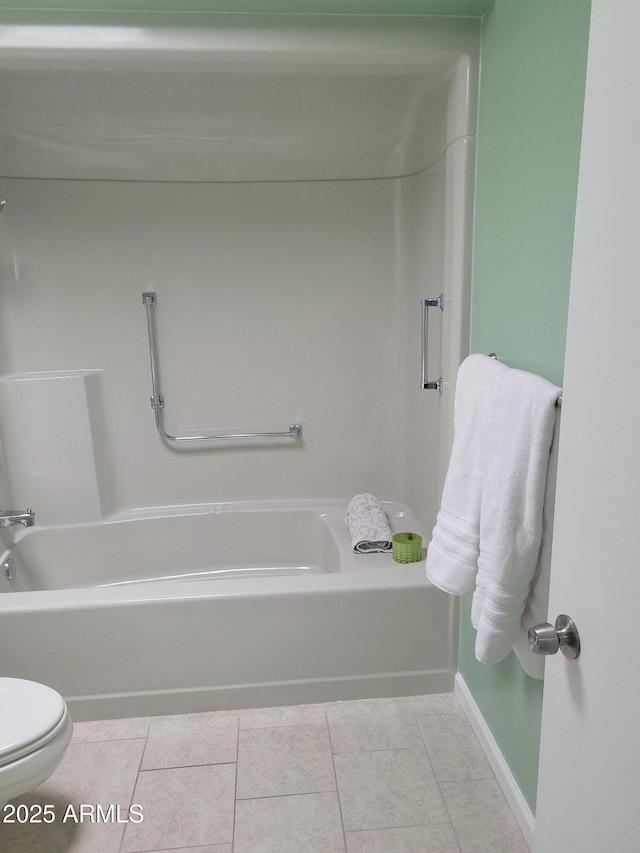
[403, 775]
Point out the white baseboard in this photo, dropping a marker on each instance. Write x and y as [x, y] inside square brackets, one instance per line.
[512, 792]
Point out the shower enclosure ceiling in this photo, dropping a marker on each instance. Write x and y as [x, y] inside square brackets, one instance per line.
[298, 99]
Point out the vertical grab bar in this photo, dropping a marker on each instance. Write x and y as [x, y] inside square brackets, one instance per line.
[157, 400]
[426, 383]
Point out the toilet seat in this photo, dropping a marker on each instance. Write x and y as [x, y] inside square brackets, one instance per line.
[31, 715]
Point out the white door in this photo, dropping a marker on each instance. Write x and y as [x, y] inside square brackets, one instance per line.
[589, 784]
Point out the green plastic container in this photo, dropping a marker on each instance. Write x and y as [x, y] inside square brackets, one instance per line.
[407, 547]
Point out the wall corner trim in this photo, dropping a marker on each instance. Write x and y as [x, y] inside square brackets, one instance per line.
[504, 776]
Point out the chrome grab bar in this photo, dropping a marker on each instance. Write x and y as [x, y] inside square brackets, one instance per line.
[426, 383]
[149, 300]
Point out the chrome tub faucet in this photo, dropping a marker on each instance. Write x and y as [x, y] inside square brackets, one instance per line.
[10, 517]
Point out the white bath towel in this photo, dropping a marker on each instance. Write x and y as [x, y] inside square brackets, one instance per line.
[537, 604]
[368, 525]
[452, 554]
[521, 416]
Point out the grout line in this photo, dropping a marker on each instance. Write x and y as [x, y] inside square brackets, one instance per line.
[335, 776]
[450, 823]
[192, 847]
[289, 794]
[146, 744]
[185, 766]
[444, 802]
[108, 740]
[135, 784]
[235, 786]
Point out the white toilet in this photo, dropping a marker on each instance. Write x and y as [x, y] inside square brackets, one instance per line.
[35, 730]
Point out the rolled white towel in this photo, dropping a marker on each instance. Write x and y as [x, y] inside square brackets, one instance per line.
[368, 525]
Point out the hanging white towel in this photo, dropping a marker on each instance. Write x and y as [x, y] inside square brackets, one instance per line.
[368, 525]
[537, 604]
[452, 554]
[521, 416]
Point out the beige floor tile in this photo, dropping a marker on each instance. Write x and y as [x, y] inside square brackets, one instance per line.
[132, 727]
[387, 784]
[365, 726]
[183, 807]
[453, 748]
[57, 837]
[436, 703]
[429, 703]
[100, 772]
[481, 818]
[289, 715]
[284, 760]
[406, 839]
[305, 823]
[388, 788]
[191, 739]
[91, 774]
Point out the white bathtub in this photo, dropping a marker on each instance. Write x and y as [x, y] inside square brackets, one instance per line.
[179, 609]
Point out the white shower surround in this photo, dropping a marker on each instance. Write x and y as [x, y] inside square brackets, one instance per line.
[290, 188]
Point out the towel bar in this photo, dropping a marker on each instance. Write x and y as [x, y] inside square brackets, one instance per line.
[558, 401]
[426, 383]
[157, 400]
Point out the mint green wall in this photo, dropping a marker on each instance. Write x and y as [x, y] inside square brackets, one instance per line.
[531, 97]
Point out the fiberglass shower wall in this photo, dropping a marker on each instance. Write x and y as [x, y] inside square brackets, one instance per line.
[290, 191]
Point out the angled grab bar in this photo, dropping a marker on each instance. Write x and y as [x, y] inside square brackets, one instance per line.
[157, 400]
